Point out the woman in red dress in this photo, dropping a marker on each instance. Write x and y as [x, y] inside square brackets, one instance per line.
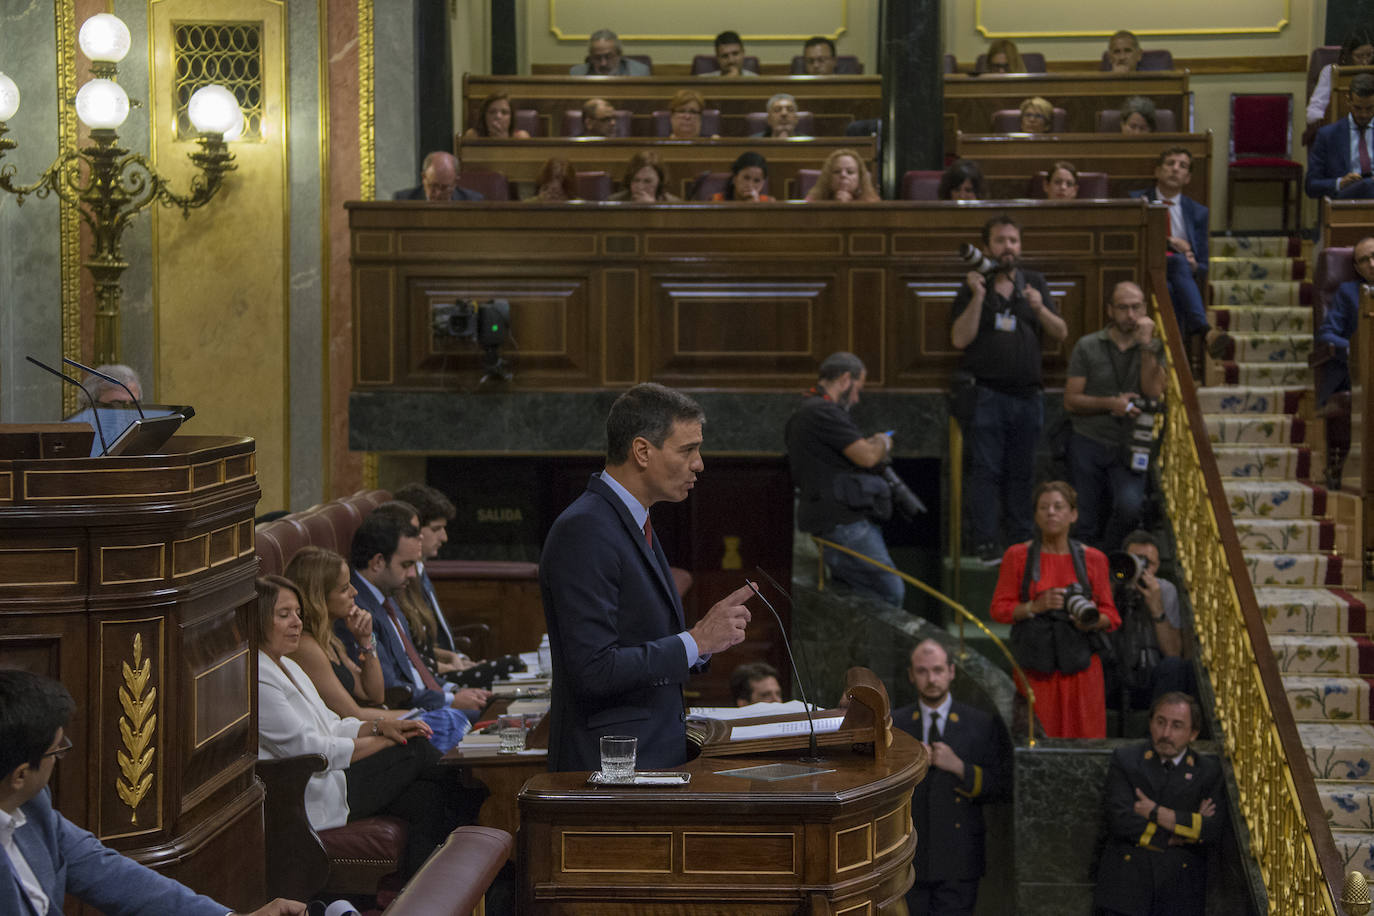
[1069, 698]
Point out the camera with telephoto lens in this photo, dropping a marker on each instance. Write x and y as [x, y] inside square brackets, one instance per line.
[1124, 570]
[1079, 605]
[974, 259]
[907, 502]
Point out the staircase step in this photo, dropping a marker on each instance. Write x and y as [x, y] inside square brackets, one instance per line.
[1328, 698]
[1270, 462]
[1298, 568]
[1355, 847]
[1255, 246]
[1311, 610]
[1307, 535]
[1261, 319]
[1261, 374]
[1338, 750]
[1272, 348]
[1255, 269]
[1323, 654]
[1255, 429]
[1348, 805]
[1274, 498]
[1258, 293]
[1240, 400]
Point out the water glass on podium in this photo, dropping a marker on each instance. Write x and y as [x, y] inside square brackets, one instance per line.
[618, 757]
[511, 730]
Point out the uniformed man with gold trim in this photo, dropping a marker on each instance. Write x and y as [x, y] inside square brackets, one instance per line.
[1162, 801]
[970, 757]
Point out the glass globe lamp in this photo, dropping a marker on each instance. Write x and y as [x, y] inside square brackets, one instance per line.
[102, 104]
[214, 110]
[9, 98]
[104, 37]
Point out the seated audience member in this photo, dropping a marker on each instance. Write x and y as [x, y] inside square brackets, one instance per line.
[46, 857]
[556, 182]
[1149, 644]
[114, 411]
[782, 118]
[730, 56]
[494, 119]
[598, 118]
[644, 182]
[1356, 51]
[962, 181]
[1164, 803]
[755, 682]
[1061, 181]
[748, 175]
[1003, 57]
[844, 177]
[1186, 264]
[343, 681]
[382, 766]
[1057, 650]
[970, 765]
[604, 58]
[1037, 115]
[438, 181]
[818, 55]
[1138, 116]
[1123, 50]
[1339, 163]
[684, 118]
[108, 393]
[1339, 324]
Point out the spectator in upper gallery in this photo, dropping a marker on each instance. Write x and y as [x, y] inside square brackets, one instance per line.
[438, 180]
[684, 114]
[818, 56]
[1003, 57]
[782, 118]
[730, 56]
[494, 120]
[605, 58]
[1356, 51]
[1061, 181]
[1138, 116]
[644, 182]
[748, 175]
[598, 118]
[1124, 52]
[1037, 115]
[962, 181]
[755, 682]
[556, 182]
[1339, 163]
[844, 177]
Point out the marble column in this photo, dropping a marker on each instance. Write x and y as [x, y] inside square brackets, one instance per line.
[913, 106]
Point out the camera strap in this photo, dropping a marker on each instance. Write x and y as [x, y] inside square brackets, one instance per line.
[1032, 571]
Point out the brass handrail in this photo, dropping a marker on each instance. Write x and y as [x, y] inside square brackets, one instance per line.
[964, 612]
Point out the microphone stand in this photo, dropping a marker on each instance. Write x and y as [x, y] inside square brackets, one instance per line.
[107, 378]
[813, 752]
[95, 414]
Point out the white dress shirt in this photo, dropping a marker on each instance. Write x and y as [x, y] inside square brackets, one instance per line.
[1177, 227]
[28, 881]
[942, 709]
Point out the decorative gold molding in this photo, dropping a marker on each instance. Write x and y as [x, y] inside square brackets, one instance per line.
[833, 35]
[69, 217]
[136, 729]
[371, 470]
[1242, 29]
[367, 163]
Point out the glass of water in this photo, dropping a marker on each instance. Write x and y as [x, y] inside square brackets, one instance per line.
[618, 757]
[511, 730]
[546, 660]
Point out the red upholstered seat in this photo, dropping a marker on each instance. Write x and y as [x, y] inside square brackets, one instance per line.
[528, 120]
[1260, 143]
[594, 185]
[453, 880]
[806, 180]
[344, 518]
[921, 184]
[1263, 162]
[318, 528]
[491, 185]
[377, 840]
[287, 536]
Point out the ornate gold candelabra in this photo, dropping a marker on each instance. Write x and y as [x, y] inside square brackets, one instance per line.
[106, 182]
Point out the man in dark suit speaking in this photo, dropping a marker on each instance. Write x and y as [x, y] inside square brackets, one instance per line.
[621, 649]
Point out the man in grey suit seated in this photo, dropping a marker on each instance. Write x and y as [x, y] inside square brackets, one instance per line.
[438, 180]
[44, 856]
[604, 58]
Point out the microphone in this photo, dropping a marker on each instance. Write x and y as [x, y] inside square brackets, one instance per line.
[813, 751]
[806, 662]
[95, 414]
[107, 378]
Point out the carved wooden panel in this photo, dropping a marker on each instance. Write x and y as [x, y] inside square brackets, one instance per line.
[131, 696]
[739, 853]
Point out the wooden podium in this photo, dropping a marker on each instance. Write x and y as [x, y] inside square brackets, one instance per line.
[130, 580]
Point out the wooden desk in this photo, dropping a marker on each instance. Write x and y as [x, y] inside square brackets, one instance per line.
[836, 842]
[1009, 160]
[834, 100]
[973, 99]
[719, 296]
[683, 160]
[1345, 222]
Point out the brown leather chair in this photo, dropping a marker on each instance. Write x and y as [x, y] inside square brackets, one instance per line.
[710, 122]
[594, 185]
[572, 122]
[454, 879]
[921, 184]
[528, 120]
[706, 63]
[709, 184]
[491, 185]
[1008, 121]
[845, 65]
[1109, 121]
[1091, 185]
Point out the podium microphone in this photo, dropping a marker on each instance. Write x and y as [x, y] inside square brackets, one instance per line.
[813, 751]
[95, 414]
[107, 378]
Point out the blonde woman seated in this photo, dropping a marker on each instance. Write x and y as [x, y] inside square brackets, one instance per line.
[1037, 115]
[844, 177]
[1003, 57]
[644, 182]
[351, 686]
[684, 114]
[556, 182]
[1061, 181]
[377, 766]
[494, 120]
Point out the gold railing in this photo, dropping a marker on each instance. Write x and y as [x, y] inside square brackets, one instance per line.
[964, 614]
[1277, 797]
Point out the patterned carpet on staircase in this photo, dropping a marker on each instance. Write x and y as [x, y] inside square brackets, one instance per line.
[1300, 541]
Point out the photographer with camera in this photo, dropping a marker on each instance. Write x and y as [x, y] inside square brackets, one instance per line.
[842, 494]
[1057, 595]
[1000, 316]
[1112, 392]
[1149, 644]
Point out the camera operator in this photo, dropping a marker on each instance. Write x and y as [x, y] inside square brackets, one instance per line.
[834, 468]
[999, 322]
[1114, 376]
[1149, 645]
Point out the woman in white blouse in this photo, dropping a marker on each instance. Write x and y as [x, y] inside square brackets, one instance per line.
[1356, 51]
[379, 766]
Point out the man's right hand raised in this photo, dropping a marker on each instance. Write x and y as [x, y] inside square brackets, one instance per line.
[723, 626]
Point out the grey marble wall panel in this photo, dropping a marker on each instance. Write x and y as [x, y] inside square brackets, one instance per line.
[394, 104]
[138, 311]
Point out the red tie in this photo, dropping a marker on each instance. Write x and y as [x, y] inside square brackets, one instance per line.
[1364, 151]
[649, 532]
[415, 659]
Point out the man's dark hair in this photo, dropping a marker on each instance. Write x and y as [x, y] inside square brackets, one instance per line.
[1362, 86]
[380, 532]
[649, 410]
[819, 40]
[32, 709]
[1001, 219]
[1139, 536]
[1183, 151]
[742, 679]
[728, 37]
[430, 504]
[837, 364]
[1173, 696]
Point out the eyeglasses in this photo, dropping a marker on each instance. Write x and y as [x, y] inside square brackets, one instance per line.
[1034, 116]
[61, 750]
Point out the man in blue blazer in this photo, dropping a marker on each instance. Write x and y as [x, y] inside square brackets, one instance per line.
[1339, 163]
[1186, 264]
[1339, 323]
[438, 181]
[621, 649]
[44, 856]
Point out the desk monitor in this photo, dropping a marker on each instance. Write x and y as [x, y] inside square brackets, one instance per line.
[115, 420]
[149, 433]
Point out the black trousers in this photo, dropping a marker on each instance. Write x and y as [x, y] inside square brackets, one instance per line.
[942, 898]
